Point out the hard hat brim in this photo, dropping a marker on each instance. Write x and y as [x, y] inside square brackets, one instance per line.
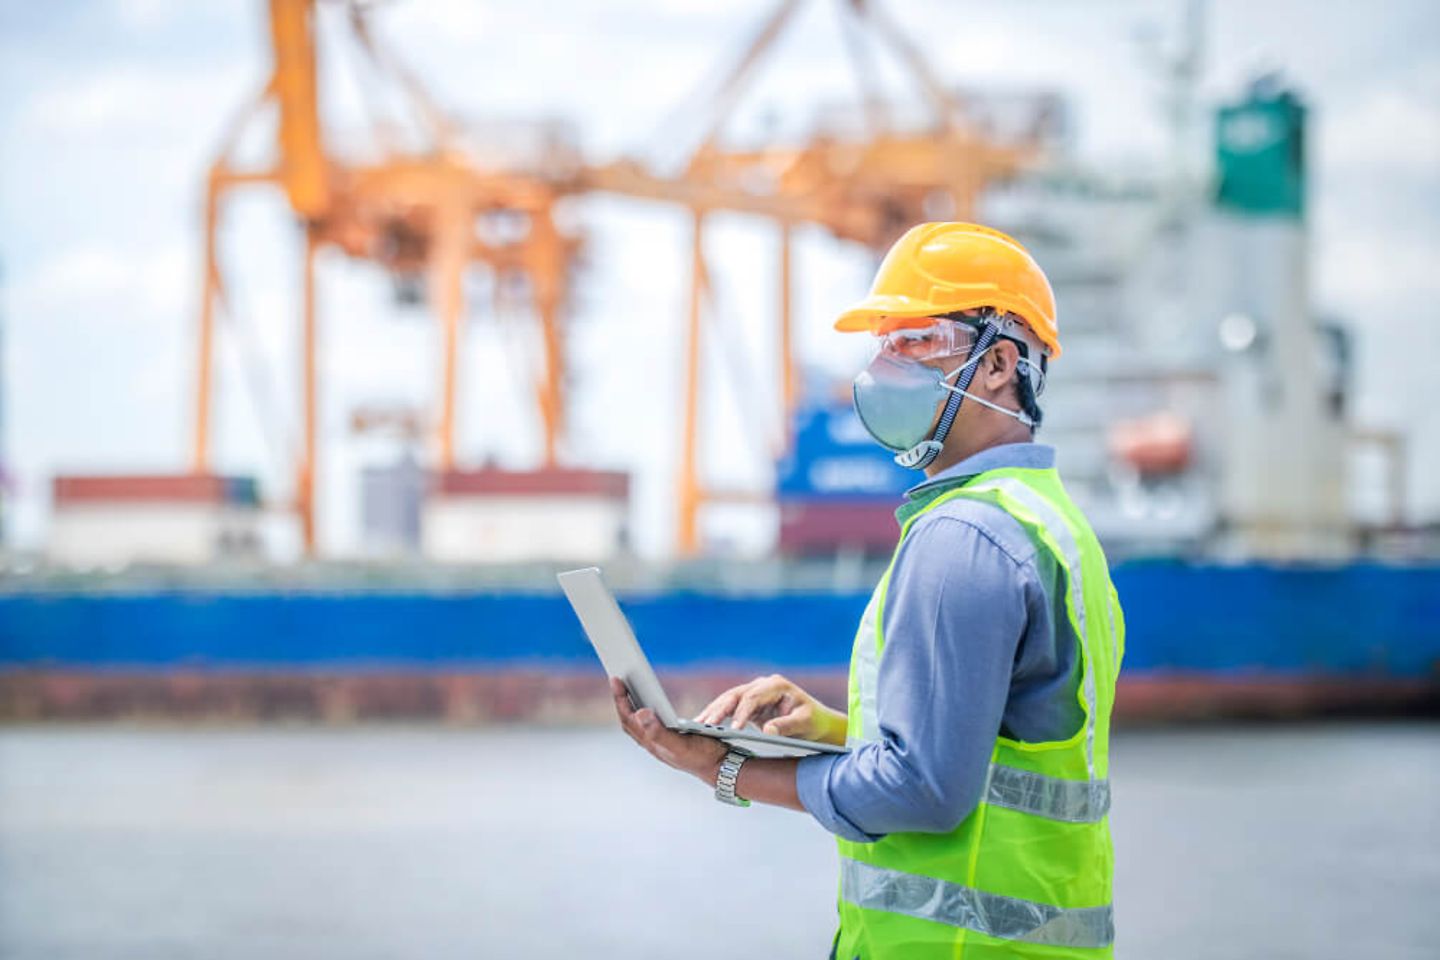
[881, 313]
[870, 314]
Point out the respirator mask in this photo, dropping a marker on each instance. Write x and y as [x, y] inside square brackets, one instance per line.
[895, 396]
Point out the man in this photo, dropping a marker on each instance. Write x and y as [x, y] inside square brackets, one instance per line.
[971, 810]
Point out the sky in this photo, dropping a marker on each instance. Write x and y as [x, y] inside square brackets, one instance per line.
[111, 109]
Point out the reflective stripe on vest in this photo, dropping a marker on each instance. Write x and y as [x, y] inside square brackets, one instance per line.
[1074, 801]
[875, 888]
[869, 669]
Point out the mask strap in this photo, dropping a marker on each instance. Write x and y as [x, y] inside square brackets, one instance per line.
[924, 453]
[1018, 415]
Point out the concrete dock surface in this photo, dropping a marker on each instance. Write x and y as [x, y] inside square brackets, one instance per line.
[393, 841]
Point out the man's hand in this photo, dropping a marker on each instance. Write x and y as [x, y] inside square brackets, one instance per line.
[782, 708]
[698, 756]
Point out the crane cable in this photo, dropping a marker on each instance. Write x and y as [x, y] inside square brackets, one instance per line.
[256, 378]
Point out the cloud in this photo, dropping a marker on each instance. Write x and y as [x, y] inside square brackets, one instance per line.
[1392, 129]
[96, 282]
[1362, 268]
[135, 100]
[144, 14]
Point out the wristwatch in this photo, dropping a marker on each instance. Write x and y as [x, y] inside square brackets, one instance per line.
[729, 773]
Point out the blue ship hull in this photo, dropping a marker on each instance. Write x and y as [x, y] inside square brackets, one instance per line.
[1365, 627]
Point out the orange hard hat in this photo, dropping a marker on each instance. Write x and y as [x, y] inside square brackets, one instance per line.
[940, 268]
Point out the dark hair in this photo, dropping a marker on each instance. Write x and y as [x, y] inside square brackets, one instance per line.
[1025, 393]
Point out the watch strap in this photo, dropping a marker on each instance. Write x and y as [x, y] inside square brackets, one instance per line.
[728, 776]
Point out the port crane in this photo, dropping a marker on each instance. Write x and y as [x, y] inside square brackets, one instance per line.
[432, 212]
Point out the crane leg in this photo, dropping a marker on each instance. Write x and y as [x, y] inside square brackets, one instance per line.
[689, 493]
[787, 345]
[447, 292]
[204, 367]
[547, 273]
[305, 479]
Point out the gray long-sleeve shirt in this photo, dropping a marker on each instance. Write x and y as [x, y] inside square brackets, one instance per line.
[977, 643]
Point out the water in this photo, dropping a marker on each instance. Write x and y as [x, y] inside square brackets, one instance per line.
[378, 842]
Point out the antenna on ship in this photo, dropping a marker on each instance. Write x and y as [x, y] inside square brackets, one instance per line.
[1180, 71]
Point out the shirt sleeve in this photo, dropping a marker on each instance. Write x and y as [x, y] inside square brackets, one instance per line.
[955, 610]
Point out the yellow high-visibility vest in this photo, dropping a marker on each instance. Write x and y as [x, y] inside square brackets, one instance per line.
[1029, 872]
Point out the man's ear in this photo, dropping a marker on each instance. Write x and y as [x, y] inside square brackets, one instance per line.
[1000, 363]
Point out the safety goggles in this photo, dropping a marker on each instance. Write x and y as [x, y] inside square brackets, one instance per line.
[930, 338]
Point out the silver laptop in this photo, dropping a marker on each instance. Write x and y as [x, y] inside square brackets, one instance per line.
[620, 652]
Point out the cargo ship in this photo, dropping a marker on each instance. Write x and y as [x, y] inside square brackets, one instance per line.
[1204, 640]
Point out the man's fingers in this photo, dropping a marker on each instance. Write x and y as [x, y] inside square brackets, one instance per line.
[624, 709]
[722, 706]
[649, 725]
[760, 695]
[636, 727]
[621, 695]
[620, 698]
[652, 735]
[796, 723]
